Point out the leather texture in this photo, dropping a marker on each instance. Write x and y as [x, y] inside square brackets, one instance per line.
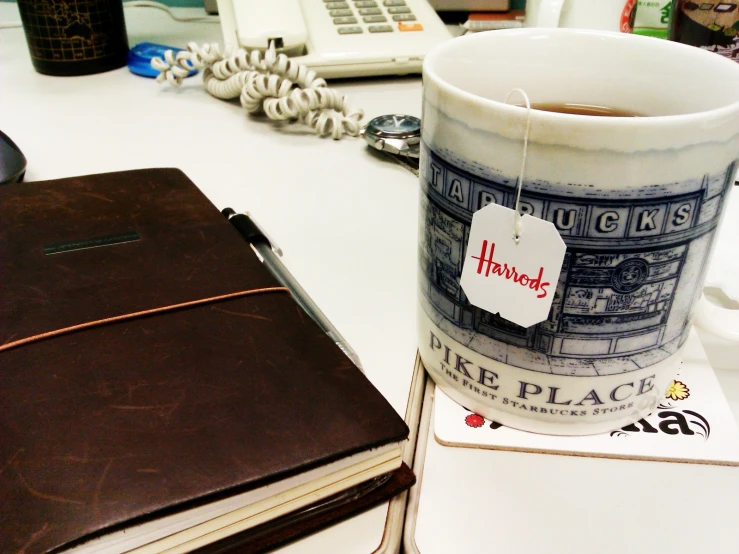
[120, 423]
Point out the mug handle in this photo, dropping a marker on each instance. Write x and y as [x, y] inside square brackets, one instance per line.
[549, 13]
[723, 322]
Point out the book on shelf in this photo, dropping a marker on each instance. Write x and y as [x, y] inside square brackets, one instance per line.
[160, 391]
[491, 21]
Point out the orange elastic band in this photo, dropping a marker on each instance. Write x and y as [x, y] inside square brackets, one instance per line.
[81, 326]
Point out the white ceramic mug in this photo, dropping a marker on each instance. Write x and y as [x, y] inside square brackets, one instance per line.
[604, 15]
[637, 200]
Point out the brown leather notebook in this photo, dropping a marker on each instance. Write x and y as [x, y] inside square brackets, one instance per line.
[159, 389]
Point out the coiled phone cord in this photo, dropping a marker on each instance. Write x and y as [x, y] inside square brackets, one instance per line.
[265, 82]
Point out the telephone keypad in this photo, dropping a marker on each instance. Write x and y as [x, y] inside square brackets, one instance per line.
[345, 17]
[380, 28]
[350, 30]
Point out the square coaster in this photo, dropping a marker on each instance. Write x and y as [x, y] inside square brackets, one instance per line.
[693, 424]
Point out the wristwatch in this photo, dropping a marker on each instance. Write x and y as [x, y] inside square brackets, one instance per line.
[397, 136]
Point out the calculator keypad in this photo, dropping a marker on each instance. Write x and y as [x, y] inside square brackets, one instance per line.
[373, 16]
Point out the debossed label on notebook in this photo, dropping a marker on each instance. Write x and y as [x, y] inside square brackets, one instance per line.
[95, 242]
[514, 276]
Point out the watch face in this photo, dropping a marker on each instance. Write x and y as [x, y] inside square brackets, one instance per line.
[399, 126]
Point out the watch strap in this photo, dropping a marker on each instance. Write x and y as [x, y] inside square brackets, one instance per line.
[408, 162]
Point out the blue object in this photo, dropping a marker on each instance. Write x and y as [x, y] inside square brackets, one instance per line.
[140, 56]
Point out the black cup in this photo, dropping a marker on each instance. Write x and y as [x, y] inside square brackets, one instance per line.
[712, 26]
[74, 37]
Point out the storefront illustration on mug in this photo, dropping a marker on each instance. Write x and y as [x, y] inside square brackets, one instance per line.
[630, 278]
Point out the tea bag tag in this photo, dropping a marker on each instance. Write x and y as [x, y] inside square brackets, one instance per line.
[514, 278]
[512, 262]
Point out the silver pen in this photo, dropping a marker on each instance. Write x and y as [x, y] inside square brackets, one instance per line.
[270, 256]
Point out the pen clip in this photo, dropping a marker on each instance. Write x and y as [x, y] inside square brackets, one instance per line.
[273, 245]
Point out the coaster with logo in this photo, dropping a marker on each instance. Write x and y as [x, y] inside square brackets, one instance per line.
[693, 424]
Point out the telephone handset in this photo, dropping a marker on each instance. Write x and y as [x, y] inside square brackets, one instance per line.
[252, 24]
[343, 38]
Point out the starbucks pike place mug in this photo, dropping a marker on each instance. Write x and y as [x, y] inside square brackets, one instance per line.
[637, 201]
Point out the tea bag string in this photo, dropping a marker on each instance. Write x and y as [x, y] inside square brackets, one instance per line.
[517, 216]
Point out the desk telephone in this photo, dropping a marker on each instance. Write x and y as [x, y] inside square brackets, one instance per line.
[342, 38]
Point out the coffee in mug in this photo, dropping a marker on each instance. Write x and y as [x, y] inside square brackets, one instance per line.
[581, 109]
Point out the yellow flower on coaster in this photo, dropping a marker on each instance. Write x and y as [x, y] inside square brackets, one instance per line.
[677, 391]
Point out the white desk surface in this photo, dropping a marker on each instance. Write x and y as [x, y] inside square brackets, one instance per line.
[346, 220]
[488, 501]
